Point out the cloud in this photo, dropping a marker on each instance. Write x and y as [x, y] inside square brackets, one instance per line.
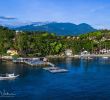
[7, 18]
[97, 9]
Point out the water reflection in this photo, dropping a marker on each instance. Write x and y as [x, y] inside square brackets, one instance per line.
[68, 62]
[82, 65]
[72, 64]
[9, 67]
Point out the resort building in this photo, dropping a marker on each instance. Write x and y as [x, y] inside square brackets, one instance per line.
[85, 53]
[68, 52]
[12, 52]
[104, 51]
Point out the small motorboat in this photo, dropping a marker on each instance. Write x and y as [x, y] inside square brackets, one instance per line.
[8, 76]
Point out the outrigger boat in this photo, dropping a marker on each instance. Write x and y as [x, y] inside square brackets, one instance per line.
[8, 76]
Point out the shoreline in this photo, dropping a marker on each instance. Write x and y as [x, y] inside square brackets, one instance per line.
[36, 61]
[57, 56]
[79, 56]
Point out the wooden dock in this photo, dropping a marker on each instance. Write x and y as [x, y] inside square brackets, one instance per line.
[32, 61]
[37, 62]
[55, 69]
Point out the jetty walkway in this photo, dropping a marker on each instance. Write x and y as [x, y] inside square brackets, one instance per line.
[38, 62]
[30, 61]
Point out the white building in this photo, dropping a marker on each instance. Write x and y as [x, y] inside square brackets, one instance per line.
[103, 51]
[68, 52]
[85, 53]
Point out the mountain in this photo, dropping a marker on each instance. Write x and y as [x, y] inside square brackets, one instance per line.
[58, 28]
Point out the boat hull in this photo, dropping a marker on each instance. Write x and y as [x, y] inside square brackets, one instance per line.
[8, 78]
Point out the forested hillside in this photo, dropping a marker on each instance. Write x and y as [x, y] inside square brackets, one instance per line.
[43, 43]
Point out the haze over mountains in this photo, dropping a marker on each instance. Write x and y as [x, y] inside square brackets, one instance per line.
[59, 28]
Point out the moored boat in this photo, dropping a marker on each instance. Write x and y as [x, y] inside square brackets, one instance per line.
[8, 76]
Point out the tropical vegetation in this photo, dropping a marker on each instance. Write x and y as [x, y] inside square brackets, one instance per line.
[44, 43]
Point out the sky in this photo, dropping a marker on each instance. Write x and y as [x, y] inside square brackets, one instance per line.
[93, 12]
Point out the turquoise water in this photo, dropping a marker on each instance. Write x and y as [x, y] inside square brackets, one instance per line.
[85, 80]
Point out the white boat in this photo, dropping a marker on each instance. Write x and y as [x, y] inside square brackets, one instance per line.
[8, 76]
[105, 57]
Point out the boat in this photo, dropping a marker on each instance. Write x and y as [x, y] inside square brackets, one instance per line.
[8, 76]
[105, 57]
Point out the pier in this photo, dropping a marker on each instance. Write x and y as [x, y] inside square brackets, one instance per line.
[37, 62]
[54, 69]
[30, 61]
[51, 64]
